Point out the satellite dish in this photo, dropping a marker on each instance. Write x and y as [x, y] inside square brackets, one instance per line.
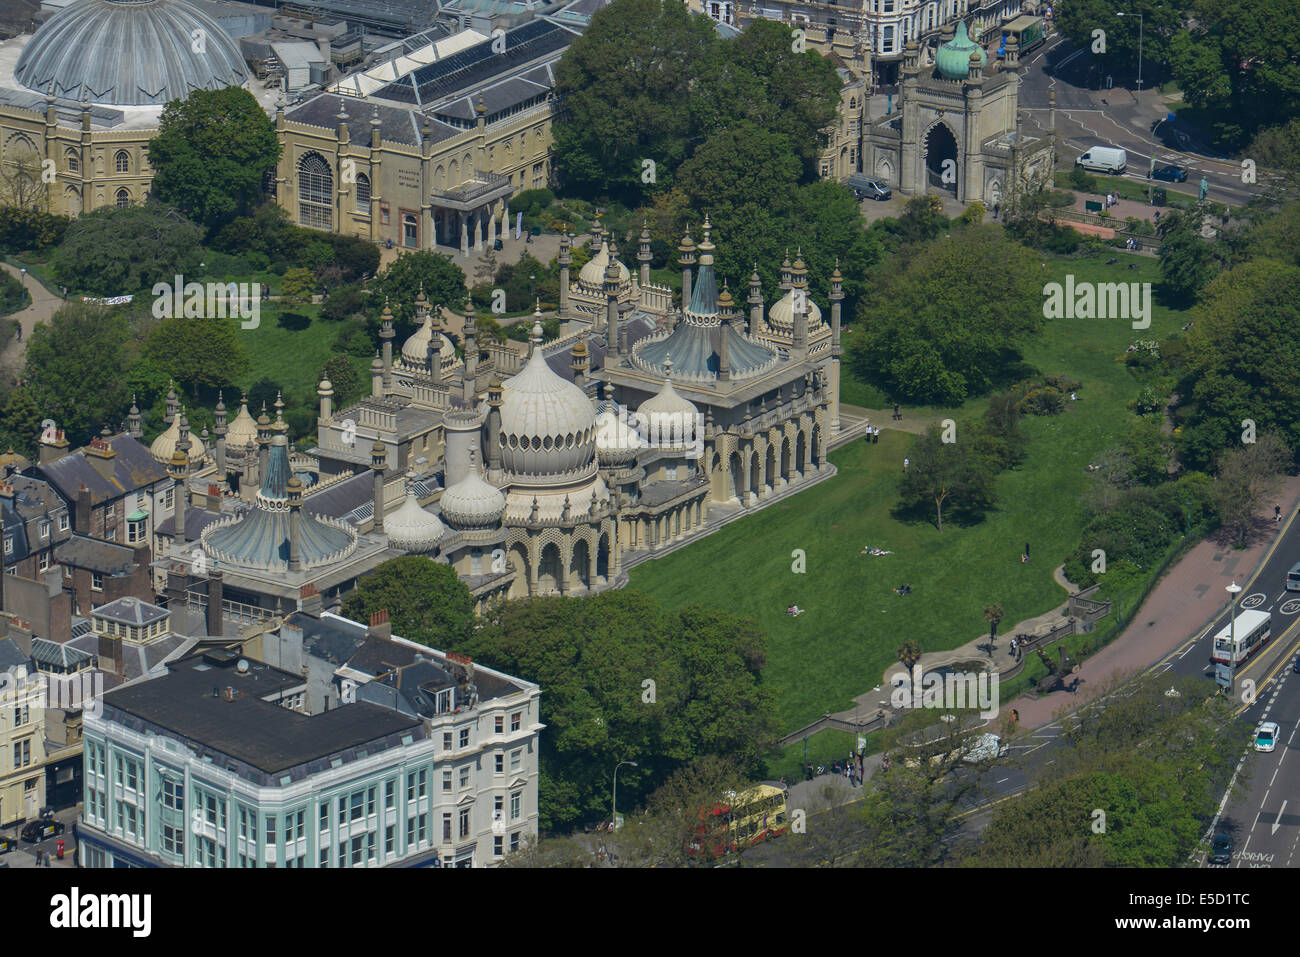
[242, 667]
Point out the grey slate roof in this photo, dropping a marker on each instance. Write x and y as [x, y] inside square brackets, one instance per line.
[131, 611]
[10, 655]
[196, 520]
[396, 124]
[129, 53]
[134, 468]
[108, 558]
[64, 657]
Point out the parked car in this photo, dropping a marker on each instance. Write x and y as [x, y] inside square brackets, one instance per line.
[1221, 849]
[1104, 159]
[36, 831]
[1295, 666]
[864, 188]
[1266, 736]
[1170, 173]
[7, 844]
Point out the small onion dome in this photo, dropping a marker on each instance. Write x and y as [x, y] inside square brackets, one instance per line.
[376, 364]
[667, 419]
[416, 348]
[473, 502]
[547, 423]
[163, 446]
[617, 442]
[411, 528]
[953, 59]
[593, 274]
[781, 315]
[242, 429]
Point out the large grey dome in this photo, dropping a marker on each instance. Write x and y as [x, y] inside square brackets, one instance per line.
[130, 53]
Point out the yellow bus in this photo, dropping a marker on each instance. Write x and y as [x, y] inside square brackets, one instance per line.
[739, 821]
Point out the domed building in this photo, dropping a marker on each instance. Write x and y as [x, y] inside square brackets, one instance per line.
[957, 129]
[416, 356]
[130, 53]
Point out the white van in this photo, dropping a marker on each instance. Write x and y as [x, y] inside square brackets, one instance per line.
[1104, 159]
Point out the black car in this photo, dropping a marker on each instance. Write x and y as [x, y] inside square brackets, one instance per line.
[1221, 849]
[1170, 174]
[37, 831]
[1295, 666]
[7, 844]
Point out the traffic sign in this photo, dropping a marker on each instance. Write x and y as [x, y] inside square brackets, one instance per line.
[1223, 675]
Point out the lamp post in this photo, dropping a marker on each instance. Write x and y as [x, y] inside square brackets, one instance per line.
[1234, 589]
[1141, 21]
[23, 271]
[614, 802]
[1187, 515]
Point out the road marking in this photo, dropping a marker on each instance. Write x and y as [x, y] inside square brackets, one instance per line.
[1278, 822]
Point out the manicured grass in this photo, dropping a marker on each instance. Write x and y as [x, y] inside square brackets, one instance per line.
[290, 353]
[840, 648]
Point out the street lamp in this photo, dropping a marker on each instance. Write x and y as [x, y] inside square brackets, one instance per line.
[1234, 589]
[1141, 21]
[614, 803]
[24, 276]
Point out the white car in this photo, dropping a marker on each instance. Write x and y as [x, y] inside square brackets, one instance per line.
[1266, 736]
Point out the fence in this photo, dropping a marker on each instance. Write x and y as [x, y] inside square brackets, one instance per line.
[881, 720]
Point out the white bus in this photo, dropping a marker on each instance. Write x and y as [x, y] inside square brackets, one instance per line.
[1253, 630]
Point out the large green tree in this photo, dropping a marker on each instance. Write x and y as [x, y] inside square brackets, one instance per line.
[1185, 258]
[113, 252]
[426, 601]
[401, 280]
[1242, 353]
[628, 680]
[1079, 19]
[206, 353]
[212, 151]
[944, 324]
[946, 475]
[76, 368]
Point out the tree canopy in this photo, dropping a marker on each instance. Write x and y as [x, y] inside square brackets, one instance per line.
[206, 353]
[114, 251]
[626, 679]
[400, 282]
[426, 600]
[943, 324]
[212, 151]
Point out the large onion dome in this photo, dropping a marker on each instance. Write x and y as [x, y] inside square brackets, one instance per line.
[242, 429]
[953, 59]
[548, 426]
[473, 502]
[411, 528]
[415, 350]
[130, 53]
[591, 278]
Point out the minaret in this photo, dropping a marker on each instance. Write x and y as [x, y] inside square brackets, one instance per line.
[178, 469]
[611, 307]
[535, 336]
[785, 285]
[643, 254]
[579, 365]
[565, 260]
[799, 348]
[183, 442]
[386, 334]
[325, 392]
[755, 303]
[837, 297]
[133, 423]
[471, 353]
[725, 304]
[597, 233]
[221, 429]
[172, 403]
[378, 462]
[293, 488]
[280, 425]
[263, 443]
[376, 376]
[494, 396]
[686, 256]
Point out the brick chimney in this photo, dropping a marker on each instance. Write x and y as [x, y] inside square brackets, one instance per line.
[216, 592]
[101, 455]
[380, 626]
[52, 449]
[309, 600]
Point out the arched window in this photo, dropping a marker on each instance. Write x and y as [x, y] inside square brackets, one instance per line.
[73, 161]
[853, 103]
[122, 162]
[123, 198]
[363, 193]
[315, 192]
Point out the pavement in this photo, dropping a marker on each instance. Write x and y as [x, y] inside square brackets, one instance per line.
[44, 304]
[24, 856]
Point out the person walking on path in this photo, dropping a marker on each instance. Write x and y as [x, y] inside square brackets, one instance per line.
[906, 463]
[1277, 513]
[898, 413]
[1026, 549]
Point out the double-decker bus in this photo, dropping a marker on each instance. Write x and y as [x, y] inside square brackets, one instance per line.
[739, 821]
[1237, 645]
[1030, 33]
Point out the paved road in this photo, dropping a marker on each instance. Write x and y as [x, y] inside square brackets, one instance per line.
[1118, 117]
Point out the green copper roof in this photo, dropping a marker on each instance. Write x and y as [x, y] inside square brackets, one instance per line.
[952, 59]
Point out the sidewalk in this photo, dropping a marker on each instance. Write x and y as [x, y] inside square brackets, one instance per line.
[44, 304]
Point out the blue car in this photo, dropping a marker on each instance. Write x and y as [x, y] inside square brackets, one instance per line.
[1170, 174]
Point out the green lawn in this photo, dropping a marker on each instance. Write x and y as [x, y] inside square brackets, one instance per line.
[840, 648]
[289, 351]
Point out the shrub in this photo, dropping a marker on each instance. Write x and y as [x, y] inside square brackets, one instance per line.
[1045, 400]
[1060, 198]
[1082, 180]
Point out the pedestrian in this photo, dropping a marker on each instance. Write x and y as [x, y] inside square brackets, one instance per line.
[1013, 646]
[1157, 217]
[906, 463]
[1277, 513]
[996, 207]
[1015, 716]
[898, 413]
[1026, 549]
[875, 436]
[38, 857]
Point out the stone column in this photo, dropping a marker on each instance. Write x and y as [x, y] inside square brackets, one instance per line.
[464, 234]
